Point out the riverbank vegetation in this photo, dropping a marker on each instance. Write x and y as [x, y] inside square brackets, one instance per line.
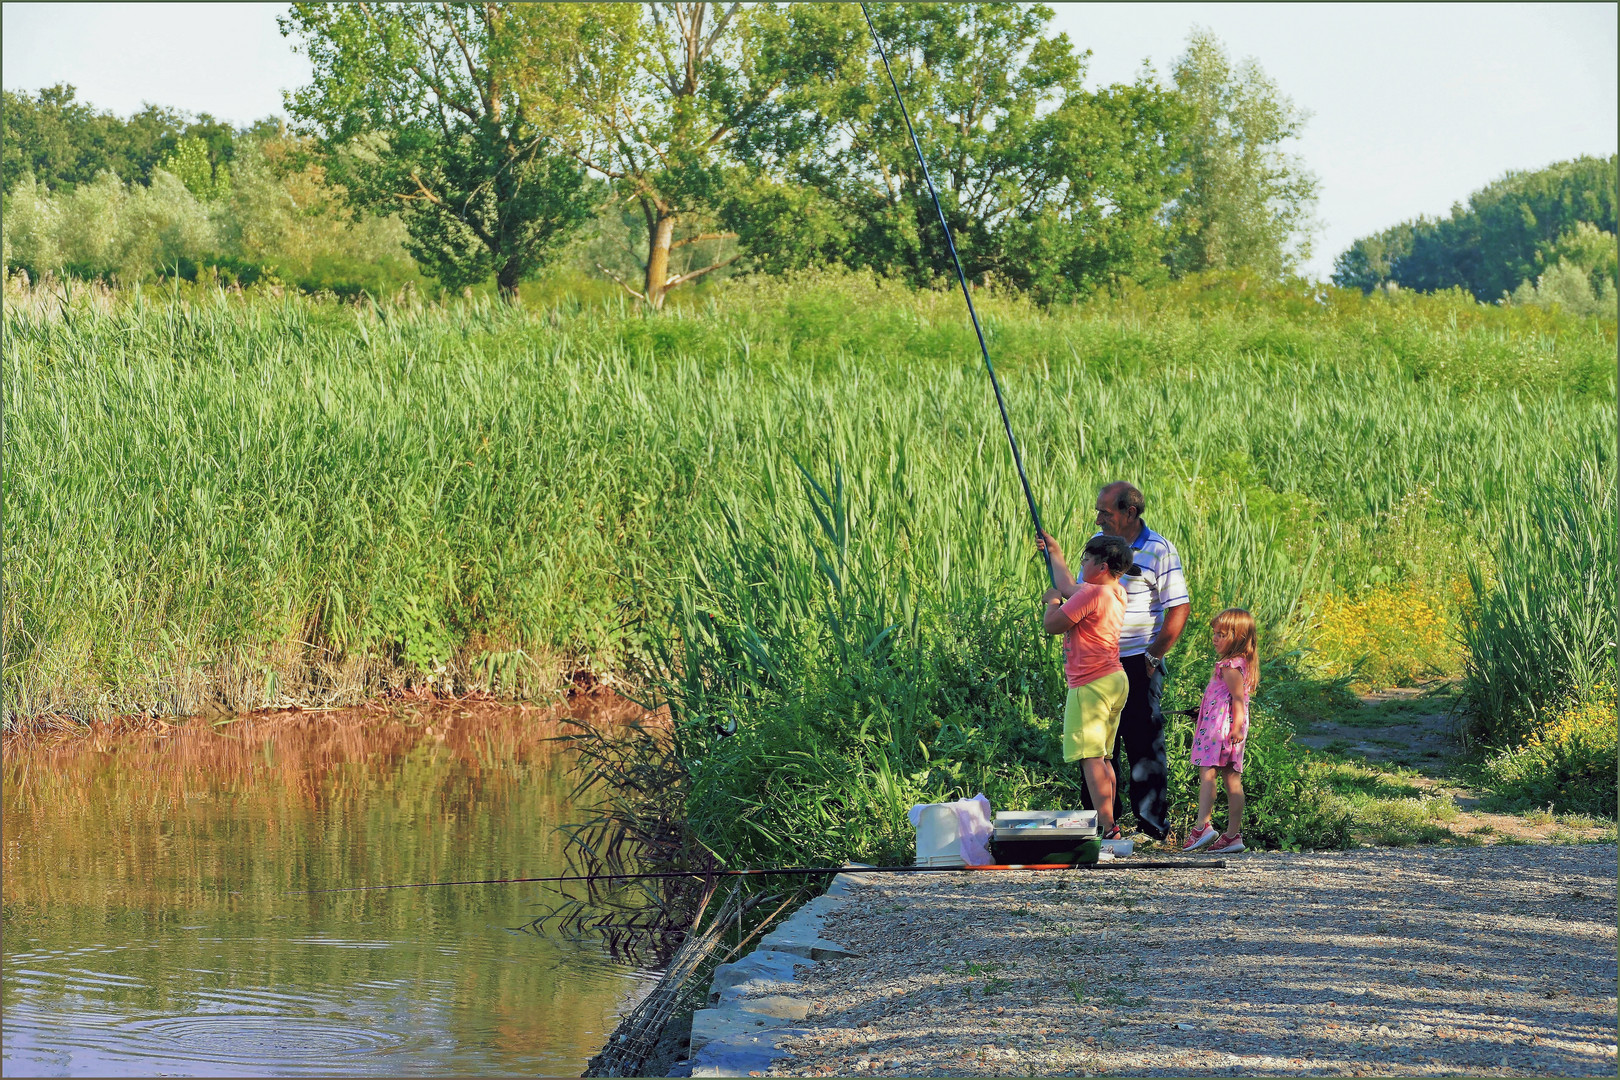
[790, 509]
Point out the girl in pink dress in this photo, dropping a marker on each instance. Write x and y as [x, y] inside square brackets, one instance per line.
[1223, 725]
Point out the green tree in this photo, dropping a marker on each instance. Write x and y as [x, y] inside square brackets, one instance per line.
[1369, 263]
[1581, 274]
[662, 98]
[278, 218]
[418, 106]
[108, 229]
[29, 225]
[62, 141]
[976, 79]
[218, 138]
[1118, 155]
[1044, 185]
[283, 219]
[1247, 204]
[1505, 236]
[1587, 248]
[189, 163]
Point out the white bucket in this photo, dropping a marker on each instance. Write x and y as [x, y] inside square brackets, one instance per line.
[939, 837]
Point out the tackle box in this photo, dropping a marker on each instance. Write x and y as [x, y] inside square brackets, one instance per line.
[1045, 836]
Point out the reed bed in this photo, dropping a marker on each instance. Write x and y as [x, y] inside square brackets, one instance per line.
[252, 501]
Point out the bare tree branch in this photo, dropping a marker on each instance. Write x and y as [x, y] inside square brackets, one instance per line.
[592, 163]
[422, 192]
[434, 81]
[472, 68]
[661, 43]
[625, 285]
[692, 274]
[719, 28]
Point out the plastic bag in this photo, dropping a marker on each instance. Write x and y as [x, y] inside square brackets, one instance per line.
[976, 819]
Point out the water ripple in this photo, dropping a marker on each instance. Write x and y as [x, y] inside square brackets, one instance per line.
[79, 974]
[341, 943]
[44, 1043]
[240, 1038]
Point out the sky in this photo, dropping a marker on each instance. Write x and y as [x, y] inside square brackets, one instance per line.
[1413, 106]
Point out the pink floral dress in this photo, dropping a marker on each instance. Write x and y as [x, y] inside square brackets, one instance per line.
[1212, 740]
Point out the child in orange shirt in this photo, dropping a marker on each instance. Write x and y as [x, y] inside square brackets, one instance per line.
[1089, 613]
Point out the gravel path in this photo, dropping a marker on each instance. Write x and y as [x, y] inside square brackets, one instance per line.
[1433, 961]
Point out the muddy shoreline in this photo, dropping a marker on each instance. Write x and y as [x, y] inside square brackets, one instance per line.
[595, 702]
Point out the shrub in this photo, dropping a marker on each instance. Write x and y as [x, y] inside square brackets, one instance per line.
[276, 218]
[90, 223]
[164, 225]
[1570, 764]
[29, 226]
[1385, 637]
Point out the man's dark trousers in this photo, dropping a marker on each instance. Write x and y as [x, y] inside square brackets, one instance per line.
[1141, 736]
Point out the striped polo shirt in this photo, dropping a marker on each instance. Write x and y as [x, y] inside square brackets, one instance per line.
[1152, 584]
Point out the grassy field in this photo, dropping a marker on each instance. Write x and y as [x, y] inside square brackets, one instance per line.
[222, 501]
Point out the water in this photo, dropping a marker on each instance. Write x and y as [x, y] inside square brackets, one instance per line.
[153, 920]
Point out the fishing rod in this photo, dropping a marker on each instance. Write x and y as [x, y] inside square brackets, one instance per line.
[1146, 864]
[1001, 403]
[1035, 516]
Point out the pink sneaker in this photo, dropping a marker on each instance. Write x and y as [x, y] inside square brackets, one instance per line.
[1227, 845]
[1199, 838]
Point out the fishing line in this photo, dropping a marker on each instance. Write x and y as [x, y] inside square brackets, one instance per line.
[1146, 864]
[1018, 458]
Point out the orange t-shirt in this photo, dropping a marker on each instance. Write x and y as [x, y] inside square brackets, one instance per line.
[1091, 646]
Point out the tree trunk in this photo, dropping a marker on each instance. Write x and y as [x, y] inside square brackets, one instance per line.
[507, 280]
[659, 239]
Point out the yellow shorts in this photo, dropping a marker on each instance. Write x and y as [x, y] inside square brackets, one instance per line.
[1091, 717]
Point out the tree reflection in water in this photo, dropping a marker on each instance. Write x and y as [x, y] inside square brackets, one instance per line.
[163, 875]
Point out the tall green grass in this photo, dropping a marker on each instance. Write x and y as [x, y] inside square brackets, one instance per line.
[1541, 633]
[819, 689]
[249, 501]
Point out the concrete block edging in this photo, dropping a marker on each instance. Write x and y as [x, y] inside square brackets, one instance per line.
[755, 1000]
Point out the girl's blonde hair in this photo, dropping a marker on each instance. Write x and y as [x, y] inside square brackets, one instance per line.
[1239, 625]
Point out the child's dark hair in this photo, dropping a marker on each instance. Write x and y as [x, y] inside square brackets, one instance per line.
[1113, 552]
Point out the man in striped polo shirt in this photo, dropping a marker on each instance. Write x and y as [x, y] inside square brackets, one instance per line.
[1156, 607]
